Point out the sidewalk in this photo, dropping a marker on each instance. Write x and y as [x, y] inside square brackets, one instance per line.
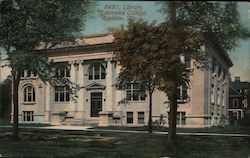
[90, 129]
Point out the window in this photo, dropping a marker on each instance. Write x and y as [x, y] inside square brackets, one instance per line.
[181, 118]
[235, 102]
[129, 117]
[61, 93]
[187, 62]
[182, 93]
[141, 118]
[62, 71]
[27, 73]
[28, 116]
[96, 72]
[29, 94]
[133, 92]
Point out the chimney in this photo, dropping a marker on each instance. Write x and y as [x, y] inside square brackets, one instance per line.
[237, 79]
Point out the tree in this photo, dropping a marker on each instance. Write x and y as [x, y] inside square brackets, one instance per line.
[135, 50]
[5, 98]
[204, 20]
[145, 50]
[28, 25]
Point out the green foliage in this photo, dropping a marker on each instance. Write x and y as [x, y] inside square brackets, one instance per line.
[150, 53]
[220, 19]
[28, 25]
[135, 49]
[5, 98]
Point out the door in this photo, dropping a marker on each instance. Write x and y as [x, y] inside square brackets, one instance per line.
[96, 104]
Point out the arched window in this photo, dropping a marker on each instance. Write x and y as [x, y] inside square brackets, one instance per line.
[96, 72]
[29, 94]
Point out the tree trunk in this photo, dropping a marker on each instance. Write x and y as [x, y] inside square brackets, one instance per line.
[173, 113]
[150, 113]
[16, 80]
[173, 94]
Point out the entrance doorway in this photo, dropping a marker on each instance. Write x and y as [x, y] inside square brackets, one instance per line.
[96, 104]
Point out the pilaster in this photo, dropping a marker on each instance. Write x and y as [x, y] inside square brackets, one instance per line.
[48, 98]
[109, 88]
[73, 79]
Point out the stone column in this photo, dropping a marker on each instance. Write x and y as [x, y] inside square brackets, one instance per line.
[80, 100]
[48, 96]
[73, 79]
[216, 96]
[109, 88]
[105, 116]
[119, 94]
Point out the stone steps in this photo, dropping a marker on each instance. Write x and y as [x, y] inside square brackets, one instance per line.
[79, 122]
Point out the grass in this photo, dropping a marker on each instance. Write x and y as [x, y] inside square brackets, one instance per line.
[225, 129]
[59, 143]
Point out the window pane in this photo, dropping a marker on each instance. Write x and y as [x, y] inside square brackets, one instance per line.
[34, 74]
[67, 72]
[61, 96]
[143, 97]
[179, 93]
[129, 95]
[184, 94]
[140, 117]
[61, 72]
[34, 95]
[129, 117]
[67, 96]
[91, 72]
[56, 96]
[28, 73]
[24, 116]
[97, 71]
[102, 72]
[135, 95]
[29, 97]
[28, 116]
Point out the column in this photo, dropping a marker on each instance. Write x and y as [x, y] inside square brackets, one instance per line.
[73, 69]
[119, 94]
[216, 83]
[109, 88]
[48, 97]
[105, 116]
[80, 100]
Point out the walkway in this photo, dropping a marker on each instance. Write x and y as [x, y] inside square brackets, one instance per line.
[90, 129]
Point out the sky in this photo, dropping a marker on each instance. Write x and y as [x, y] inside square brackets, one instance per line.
[240, 56]
[110, 14]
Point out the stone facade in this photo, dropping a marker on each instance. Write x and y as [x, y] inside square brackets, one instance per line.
[91, 67]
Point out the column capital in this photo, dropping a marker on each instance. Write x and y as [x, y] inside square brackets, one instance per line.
[75, 62]
[80, 62]
[111, 59]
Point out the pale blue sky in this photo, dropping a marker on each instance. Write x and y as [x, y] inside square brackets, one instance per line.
[240, 56]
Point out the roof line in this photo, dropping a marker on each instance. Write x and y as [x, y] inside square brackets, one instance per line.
[234, 90]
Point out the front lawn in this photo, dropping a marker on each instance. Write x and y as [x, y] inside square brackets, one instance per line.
[226, 129]
[58, 143]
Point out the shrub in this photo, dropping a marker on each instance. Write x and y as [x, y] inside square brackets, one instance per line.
[245, 121]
